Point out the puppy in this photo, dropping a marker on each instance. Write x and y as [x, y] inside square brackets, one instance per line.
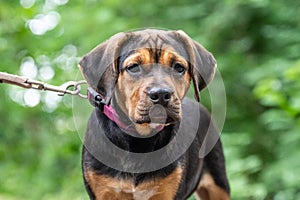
[145, 140]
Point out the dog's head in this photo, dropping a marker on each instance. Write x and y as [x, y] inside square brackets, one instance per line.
[147, 72]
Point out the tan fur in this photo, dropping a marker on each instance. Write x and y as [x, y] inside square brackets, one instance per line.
[167, 56]
[208, 190]
[108, 188]
[141, 56]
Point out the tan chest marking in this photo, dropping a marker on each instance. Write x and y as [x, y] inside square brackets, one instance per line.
[107, 188]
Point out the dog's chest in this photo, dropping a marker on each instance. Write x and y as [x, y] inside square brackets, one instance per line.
[105, 187]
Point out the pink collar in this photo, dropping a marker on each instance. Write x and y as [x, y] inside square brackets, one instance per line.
[111, 113]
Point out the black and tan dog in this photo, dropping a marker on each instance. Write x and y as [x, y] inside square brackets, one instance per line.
[138, 82]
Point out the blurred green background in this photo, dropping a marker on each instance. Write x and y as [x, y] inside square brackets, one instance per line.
[256, 44]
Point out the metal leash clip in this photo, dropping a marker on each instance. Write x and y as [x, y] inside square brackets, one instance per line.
[38, 85]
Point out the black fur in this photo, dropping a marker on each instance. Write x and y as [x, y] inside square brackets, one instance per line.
[102, 66]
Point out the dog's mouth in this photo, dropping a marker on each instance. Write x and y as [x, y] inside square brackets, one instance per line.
[157, 114]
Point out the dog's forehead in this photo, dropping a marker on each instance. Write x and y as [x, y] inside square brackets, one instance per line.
[155, 40]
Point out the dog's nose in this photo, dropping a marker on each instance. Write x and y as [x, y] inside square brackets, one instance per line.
[160, 95]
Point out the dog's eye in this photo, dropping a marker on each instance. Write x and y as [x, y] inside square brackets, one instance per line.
[133, 68]
[179, 68]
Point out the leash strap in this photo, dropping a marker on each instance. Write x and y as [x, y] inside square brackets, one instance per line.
[38, 85]
[94, 97]
[14, 79]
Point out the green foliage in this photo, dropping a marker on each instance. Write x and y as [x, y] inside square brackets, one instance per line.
[256, 44]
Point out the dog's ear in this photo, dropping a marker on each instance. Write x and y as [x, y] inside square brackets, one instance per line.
[100, 66]
[203, 64]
